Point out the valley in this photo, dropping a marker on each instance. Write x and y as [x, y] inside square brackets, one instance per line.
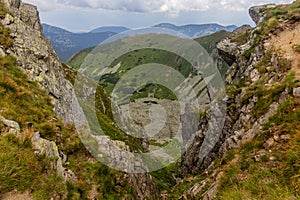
[152, 115]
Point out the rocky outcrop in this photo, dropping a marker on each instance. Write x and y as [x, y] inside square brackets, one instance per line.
[50, 150]
[241, 124]
[257, 13]
[36, 56]
[142, 183]
[42, 147]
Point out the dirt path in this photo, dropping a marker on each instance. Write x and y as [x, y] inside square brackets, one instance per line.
[16, 196]
[286, 41]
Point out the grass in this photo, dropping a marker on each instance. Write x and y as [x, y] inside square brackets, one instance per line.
[25, 102]
[241, 38]
[267, 179]
[21, 169]
[140, 57]
[266, 95]
[297, 48]
[210, 42]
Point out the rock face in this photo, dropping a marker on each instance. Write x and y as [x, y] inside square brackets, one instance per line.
[42, 147]
[36, 56]
[240, 122]
[50, 149]
[257, 13]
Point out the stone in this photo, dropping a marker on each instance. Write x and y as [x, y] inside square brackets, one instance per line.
[272, 158]
[269, 143]
[13, 126]
[296, 92]
[196, 189]
[35, 54]
[50, 150]
[144, 186]
[285, 137]
[276, 137]
[254, 75]
[257, 14]
[242, 29]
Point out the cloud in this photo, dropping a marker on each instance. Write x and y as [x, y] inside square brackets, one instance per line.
[44, 5]
[149, 6]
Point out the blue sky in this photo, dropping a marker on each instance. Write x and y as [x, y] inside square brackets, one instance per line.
[85, 15]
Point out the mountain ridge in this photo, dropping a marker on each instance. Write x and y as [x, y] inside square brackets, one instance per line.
[67, 43]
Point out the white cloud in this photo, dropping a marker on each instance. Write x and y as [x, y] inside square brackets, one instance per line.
[148, 6]
[44, 5]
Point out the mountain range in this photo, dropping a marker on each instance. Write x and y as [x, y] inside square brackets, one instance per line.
[67, 43]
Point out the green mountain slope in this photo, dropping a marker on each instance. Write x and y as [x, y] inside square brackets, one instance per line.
[144, 56]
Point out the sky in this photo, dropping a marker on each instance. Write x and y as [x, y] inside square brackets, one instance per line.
[85, 15]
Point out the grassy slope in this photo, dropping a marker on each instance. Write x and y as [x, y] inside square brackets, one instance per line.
[23, 101]
[277, 174]
[210, 42]
[139, 57]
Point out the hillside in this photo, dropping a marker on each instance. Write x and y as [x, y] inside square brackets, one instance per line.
[207, 42]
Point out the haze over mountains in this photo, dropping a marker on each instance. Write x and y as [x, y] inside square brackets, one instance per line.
[67, 43]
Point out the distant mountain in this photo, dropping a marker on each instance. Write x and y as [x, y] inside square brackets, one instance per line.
[197, 30]
[114, 29]
[67, 43]
[208, 42]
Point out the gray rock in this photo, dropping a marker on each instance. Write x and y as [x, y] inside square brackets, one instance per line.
[144, 186]
[285, 137]
[296, 92]
[14, 127]
[269, 143]
[37, 57]
[50, 150]
[257, 14]
[243, 29]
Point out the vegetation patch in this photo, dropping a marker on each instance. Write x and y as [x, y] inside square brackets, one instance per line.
[268, 178]
[241, 38]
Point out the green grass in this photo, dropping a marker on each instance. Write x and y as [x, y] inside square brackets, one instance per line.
[241, 38]
[164, 178]
[266, 179]
[210, 42]
[24, 101]
[21, 169]
[77, 59]
[145, 56]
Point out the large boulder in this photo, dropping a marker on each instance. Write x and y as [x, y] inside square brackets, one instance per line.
[257, 12]
[13, 126]
[50, 150]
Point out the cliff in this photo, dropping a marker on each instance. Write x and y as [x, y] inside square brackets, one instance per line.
[37, 57]
[262, 77]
